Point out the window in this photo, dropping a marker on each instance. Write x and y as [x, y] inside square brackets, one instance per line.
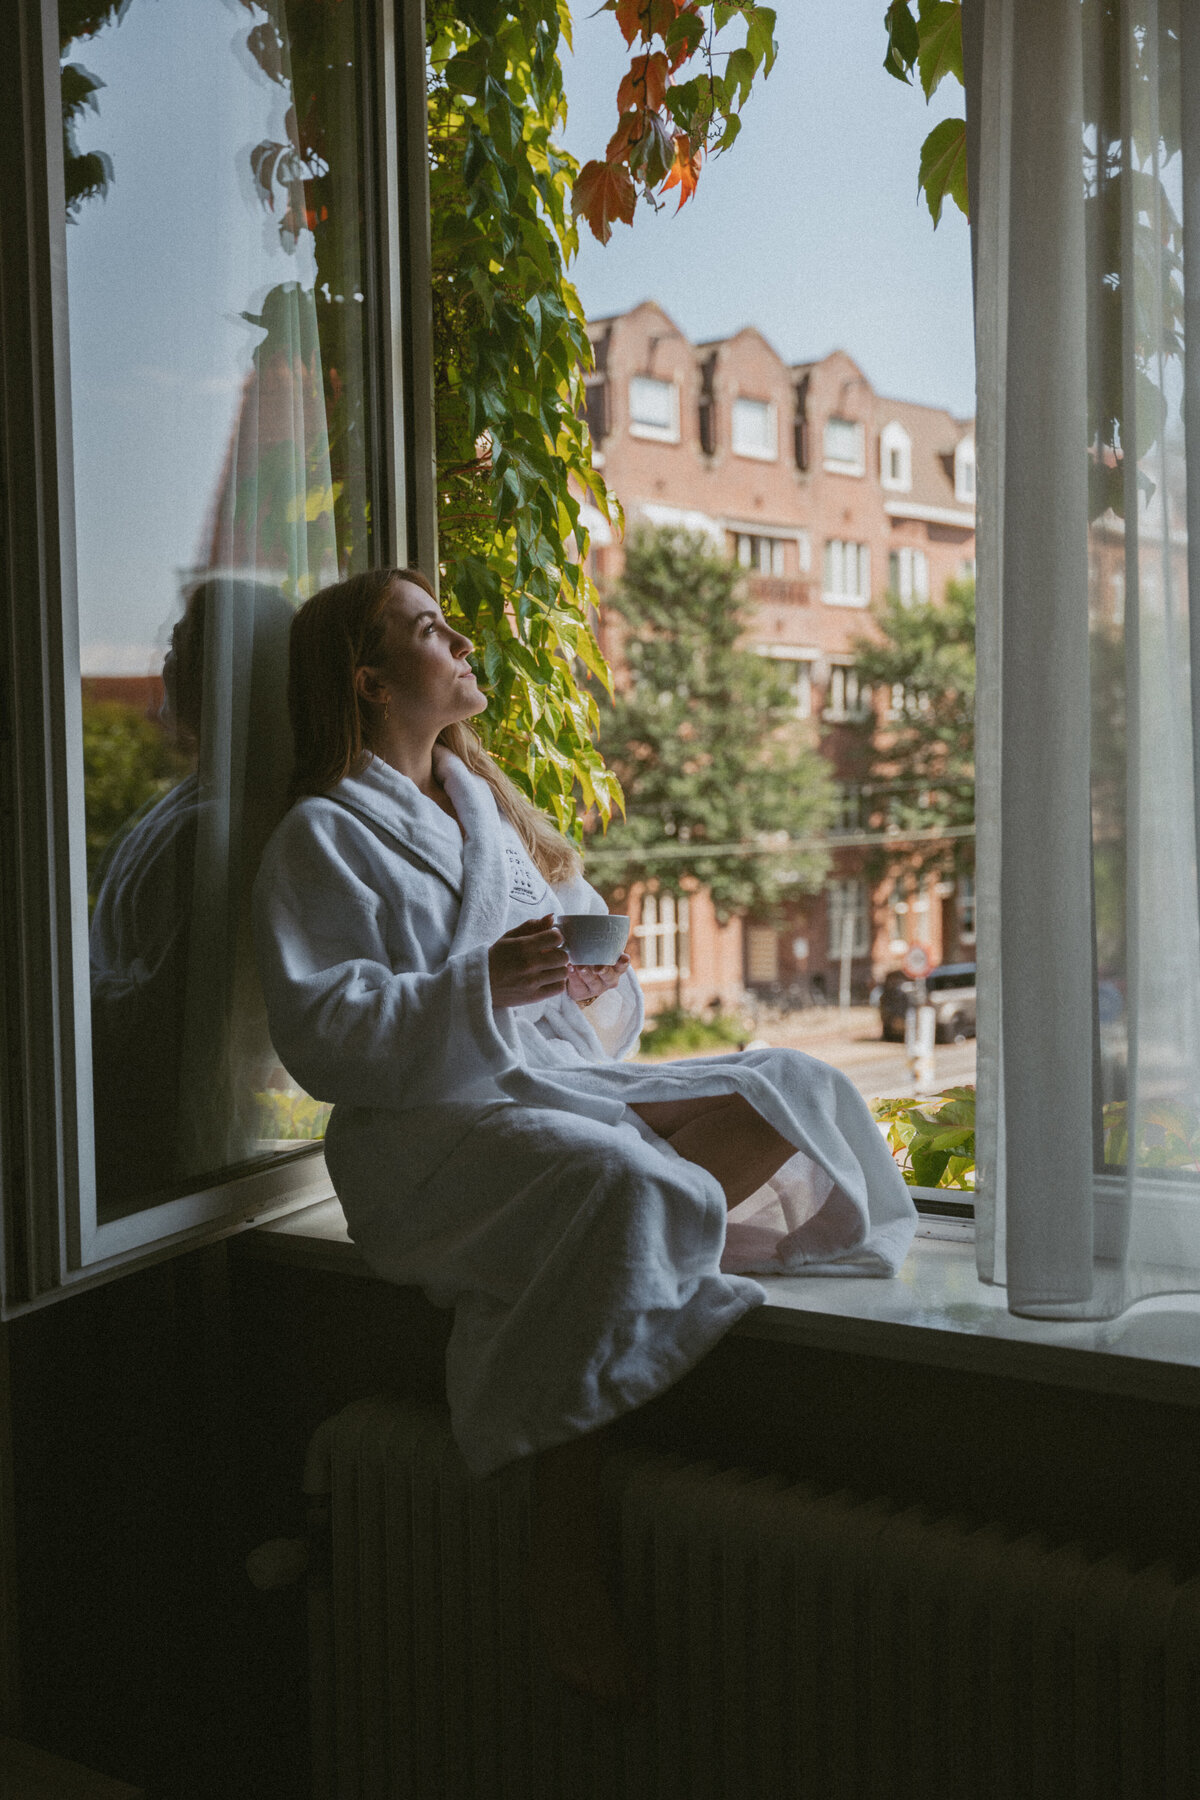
[755, 432]
[654, 409]
[895, 459]
[964, 471]
[847, 573]
[849, 919]
[662, 936]
[762, 955]
[908, 574]
[764, 555]
[796, 668]
[223, 454]
[848, 813]
[844, 447]
[965, 902]
[847, 699]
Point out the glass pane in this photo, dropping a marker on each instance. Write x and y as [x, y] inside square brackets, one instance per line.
[652, 403]
[216, 286]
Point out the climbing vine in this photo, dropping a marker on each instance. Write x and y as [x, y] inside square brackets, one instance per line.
[929, 43]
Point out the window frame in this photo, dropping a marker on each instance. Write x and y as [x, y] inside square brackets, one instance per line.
[893, 439]
[658, 434]
[753, 453]
[844, 465]
[53, 1241]
[834, 556]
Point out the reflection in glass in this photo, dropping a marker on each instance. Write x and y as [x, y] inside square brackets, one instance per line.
[217, 335]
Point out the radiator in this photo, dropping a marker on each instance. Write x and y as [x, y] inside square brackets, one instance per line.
[798, 1643]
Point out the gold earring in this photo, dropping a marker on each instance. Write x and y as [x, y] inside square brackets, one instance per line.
[387, 704]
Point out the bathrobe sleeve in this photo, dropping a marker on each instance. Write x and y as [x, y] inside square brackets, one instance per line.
[346, 1025]
[617, 1017]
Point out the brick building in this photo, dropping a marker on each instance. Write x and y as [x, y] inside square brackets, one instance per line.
[828, 495]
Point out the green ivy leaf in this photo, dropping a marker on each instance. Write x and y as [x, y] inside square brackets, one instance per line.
[941, 52]
[904, 41]
[943, 169]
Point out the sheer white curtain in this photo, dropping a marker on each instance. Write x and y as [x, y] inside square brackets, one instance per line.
[1086, 194]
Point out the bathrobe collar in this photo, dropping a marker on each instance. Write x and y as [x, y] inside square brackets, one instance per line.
[471, 862]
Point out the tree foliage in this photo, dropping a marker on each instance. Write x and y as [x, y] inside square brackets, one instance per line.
[128, 764]
[919, 758]
[680, 101]
[929, 43]
[705, 740]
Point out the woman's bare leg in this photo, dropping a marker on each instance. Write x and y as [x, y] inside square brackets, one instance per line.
[725, 1135]
[567, 1577]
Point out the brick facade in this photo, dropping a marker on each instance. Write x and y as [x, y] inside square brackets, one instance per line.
[828, 494]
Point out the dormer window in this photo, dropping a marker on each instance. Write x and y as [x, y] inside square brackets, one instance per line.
[895, 459]
[653, 409]
[844, 440]
[964, 471]
[755, 429]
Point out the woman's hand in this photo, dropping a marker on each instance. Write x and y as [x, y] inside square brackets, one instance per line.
[528, 964]
[587, 983]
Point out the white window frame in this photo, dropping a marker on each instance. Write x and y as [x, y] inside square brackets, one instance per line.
[740, 446]
[964, 471]
[844, 465]
[663, 936]
[908, 573]
[53, 1239]
[641, 428]
[841, 895]
[804, 661]
[847, 699]
[846, 560]
[753, 550]
[894, 441]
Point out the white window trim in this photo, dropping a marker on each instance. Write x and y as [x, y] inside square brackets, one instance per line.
[845, 715]
[663, 934]
[894, 437]
[795, 653]
[659, 434]
[964, 459]
[749, 451]
[830, 598]
[837, 465]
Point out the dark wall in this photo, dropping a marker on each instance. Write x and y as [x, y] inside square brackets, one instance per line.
[160, 1426]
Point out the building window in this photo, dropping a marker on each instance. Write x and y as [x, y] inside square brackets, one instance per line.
[662, 936]
[848, 813]
[847, 573]
[762, 955]
[763, 555]
[847, 698]
[908, 574]
[653, 409]
[796, 670]
[965, 901]
[844, 447]
[755, 431]
[964, 471]
[895, 459]
[849, 919]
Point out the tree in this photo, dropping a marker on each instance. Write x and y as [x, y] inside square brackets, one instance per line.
[919, 743]
[718, 773]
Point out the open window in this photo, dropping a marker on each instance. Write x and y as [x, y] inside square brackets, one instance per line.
[214, 378]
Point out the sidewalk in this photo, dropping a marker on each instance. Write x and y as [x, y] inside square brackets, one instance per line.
[850, 1040]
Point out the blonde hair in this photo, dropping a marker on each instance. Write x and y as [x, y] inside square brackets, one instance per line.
[341, 630]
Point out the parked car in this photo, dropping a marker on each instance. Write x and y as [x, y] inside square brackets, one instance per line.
[951, 992]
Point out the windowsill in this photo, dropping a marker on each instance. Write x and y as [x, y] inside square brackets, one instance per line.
[832, 467]
[936, 1312]
[845, 600]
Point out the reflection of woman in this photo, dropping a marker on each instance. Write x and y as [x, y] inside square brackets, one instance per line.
[167, 997]
[486, 1143]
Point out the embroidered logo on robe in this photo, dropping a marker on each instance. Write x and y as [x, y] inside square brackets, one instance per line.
[525, 885]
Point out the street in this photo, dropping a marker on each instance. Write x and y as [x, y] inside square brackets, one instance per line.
[850, 1040]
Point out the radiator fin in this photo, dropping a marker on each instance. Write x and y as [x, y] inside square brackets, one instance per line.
[797, 1644]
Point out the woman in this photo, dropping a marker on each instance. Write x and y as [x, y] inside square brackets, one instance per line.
[487, 1143]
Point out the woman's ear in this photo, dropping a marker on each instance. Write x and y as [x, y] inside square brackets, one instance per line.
[368, 686]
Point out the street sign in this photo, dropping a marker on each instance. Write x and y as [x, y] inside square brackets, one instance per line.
[918, 962]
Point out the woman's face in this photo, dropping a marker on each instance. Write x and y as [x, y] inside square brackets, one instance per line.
[424, 668]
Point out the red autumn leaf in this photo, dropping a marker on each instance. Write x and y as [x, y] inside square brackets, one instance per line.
[646, 83]
[603, 192]
[685, 170]
[628, 133]
[646, 18]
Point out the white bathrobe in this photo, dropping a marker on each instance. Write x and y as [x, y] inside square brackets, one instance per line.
[489, 1154]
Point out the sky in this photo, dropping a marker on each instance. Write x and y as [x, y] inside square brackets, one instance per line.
[810, 227]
